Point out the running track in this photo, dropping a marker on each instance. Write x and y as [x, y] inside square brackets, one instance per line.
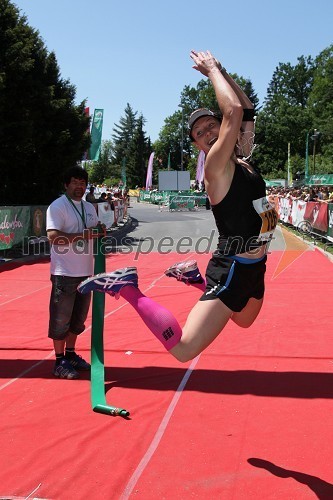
[250, 418]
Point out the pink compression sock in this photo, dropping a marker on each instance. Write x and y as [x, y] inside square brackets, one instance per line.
[159, 320]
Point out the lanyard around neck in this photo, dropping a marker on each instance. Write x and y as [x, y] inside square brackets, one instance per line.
[75, 208]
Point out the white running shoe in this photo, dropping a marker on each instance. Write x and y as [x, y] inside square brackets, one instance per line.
[110, 283]
[186, 271]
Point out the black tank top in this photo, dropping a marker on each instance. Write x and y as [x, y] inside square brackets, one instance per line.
[237, 221]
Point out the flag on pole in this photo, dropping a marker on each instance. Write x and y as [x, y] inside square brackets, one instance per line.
[307, 157]
[86, 153]
[169, 162]
[200, 167]
[96, 135]
[149, 178]
[123, 172]
[290, 175]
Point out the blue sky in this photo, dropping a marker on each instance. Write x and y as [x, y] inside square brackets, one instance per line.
[137, 52]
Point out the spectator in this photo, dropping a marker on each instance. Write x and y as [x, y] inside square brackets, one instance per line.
[312, 196]
[91, 196]
[70, 223]
[102, 198]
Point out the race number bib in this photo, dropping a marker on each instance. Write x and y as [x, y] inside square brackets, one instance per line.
[269, 218]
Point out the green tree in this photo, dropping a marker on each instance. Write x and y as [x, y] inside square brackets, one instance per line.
[131, 147]
[123, 134]
[137, 156]
[42, 132]
[168, 145]
[321, 105]
[291, 83]
[284, 117]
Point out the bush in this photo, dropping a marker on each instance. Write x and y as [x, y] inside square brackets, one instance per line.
[112, 182]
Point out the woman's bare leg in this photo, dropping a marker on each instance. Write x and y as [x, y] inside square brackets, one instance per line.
[246, 316]
[204, 323]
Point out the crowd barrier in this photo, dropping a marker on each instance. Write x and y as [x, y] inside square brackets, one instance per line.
[184, 200]
[178, 203]
[26, 225]
[19, 224]
[111, 218]
[134, 192]
[319, 215]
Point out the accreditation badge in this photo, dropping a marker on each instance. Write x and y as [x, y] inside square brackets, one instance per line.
[80, 246]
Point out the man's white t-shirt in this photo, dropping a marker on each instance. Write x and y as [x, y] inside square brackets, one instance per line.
[76, 258]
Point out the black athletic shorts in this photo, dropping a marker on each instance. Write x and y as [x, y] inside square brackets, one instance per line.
[234, 280]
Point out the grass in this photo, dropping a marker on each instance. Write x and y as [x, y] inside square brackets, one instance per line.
[315, 239]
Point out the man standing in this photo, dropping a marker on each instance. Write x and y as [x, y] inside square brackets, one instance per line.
[91, 195]
[71, 226]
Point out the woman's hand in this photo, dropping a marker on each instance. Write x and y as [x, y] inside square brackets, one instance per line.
[205, 62]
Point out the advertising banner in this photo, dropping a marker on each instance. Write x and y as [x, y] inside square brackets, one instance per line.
[96, 135]
[38, 221]
[298, 211]
[181, 202]
[200, 199]
[324, 179]
[330, 222]
[134, 192]
[317, 214]
[105, 214]
[145, 195]
[149, 178]
[118, 211]
[200, 167]
[285, 209]
[14, 226]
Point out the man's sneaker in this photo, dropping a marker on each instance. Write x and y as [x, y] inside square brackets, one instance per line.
[65, 370]
[78, 362]
[187, 272]
[110, 283]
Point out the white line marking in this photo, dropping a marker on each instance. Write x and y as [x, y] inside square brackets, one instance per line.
[26, 371]
[25, 295]
[189, 257]
[33, 491]
[163, 425]
[86, 330]
[126, 303]
[52, 353]
[159, 434]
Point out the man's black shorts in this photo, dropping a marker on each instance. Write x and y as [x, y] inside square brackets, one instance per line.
[234, 282]
[68, 307]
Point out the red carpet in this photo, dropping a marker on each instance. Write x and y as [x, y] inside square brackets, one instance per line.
[251, 417]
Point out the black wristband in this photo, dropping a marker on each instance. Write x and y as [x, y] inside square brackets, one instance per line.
[248, 115]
